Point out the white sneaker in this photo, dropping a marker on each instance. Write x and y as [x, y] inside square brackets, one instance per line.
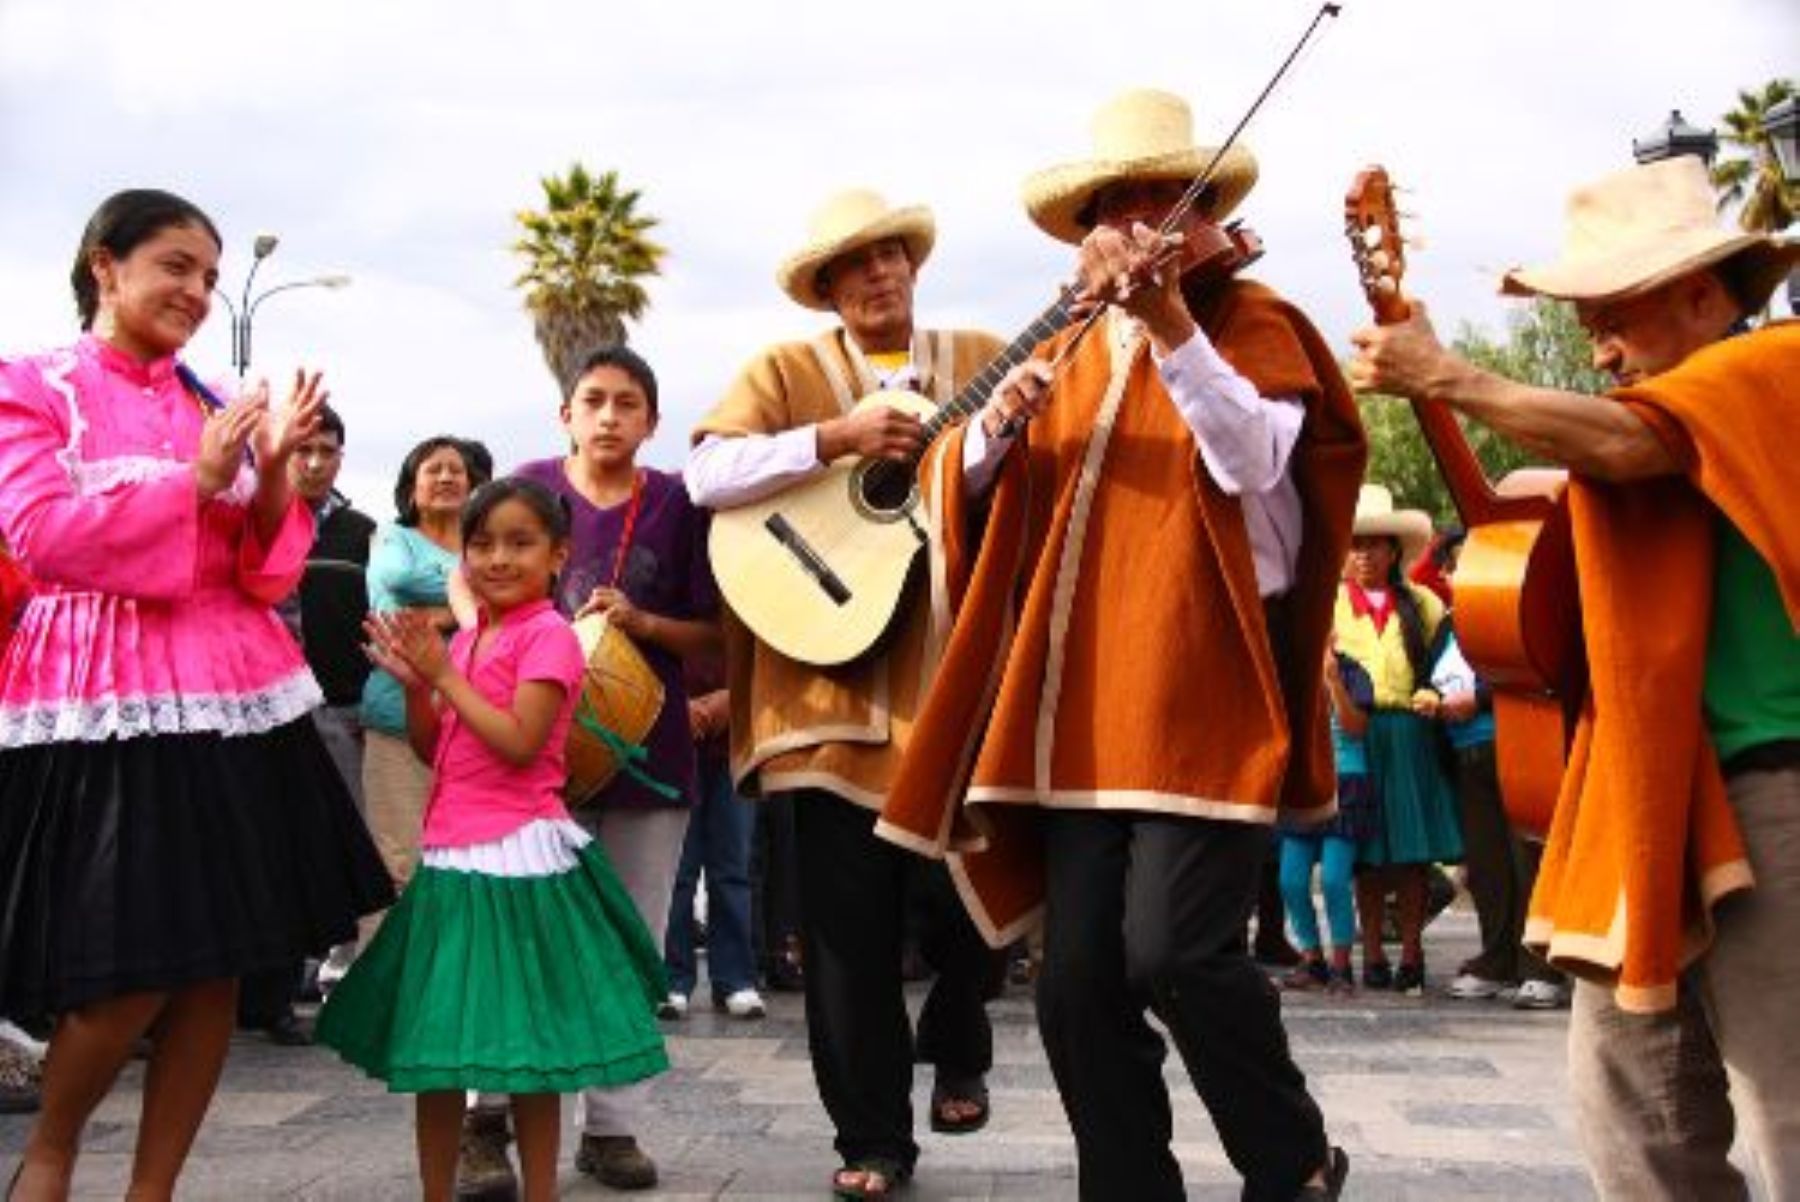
[1541, 995]
[745, 1003]
[35, 1048]
[1470, 987]
[335, 967]
[674, 1006]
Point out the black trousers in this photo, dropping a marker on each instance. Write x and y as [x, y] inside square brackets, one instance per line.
[853, 900]
[1147, 912]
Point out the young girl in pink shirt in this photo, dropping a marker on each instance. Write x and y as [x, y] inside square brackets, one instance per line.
[514, 962]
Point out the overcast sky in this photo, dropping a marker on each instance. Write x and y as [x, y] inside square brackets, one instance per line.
[395, 139]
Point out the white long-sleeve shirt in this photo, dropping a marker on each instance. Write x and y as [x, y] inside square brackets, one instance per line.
[1245, 440]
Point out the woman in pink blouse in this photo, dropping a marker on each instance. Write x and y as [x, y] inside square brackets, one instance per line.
[168, 819]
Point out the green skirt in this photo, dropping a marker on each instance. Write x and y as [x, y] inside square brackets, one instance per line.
[1420, 822]
[534, 984]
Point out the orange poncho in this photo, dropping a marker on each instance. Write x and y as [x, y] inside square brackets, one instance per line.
[1109, 648]
[1644, 841]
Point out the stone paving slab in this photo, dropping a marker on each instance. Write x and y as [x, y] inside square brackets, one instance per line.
[1432, 1098]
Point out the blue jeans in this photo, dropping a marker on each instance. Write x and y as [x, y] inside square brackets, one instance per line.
[717, 843]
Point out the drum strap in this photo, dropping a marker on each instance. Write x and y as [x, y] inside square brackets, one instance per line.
[630, 531]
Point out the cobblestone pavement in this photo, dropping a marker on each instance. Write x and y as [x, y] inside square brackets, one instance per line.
[1431, 1097]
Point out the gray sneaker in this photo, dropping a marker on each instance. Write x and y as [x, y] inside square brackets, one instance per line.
[616, 1161]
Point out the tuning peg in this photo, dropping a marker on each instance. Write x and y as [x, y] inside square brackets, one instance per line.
[1372, 236]
[1386, 286]
[1380, 260]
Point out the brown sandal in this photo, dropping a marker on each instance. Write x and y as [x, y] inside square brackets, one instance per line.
[874, 1177]
[959, 1105]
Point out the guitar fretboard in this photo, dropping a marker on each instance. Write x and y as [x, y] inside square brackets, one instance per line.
[975, 393]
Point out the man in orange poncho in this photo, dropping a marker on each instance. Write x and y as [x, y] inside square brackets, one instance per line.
[1671, 879]
[1141, 551]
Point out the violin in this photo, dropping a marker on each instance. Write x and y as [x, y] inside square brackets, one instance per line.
[1207, 255]
[1213, 253]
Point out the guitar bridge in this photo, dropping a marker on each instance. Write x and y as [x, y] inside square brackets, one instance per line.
[809, 559]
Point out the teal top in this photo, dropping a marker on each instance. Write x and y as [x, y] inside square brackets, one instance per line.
[1752, 691]
[406, 570]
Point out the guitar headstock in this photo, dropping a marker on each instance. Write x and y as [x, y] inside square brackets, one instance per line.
[1372, 224]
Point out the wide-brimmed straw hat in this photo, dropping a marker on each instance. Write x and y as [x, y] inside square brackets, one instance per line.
[1143, 134]
[853, 218]
[1638, 229]
[1376, 516]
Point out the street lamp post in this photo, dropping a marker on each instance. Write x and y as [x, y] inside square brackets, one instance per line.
[1676, 137]
[1782, 123]
[243, 314]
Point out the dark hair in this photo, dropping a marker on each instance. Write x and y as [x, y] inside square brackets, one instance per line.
[476, 462]
[618, 355]
[331, 423]
[552, 510]
[1445, 547]
[1412, 622]
[122, 223]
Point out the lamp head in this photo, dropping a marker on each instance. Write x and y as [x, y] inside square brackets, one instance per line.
[265, 245]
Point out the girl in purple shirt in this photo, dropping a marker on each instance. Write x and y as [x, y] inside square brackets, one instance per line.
[515, 962]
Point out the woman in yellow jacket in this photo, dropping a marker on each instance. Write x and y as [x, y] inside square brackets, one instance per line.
[1387, 625]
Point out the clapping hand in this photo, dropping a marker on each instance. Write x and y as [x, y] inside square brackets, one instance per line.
[222, 441]
[285, 428]
[405, 644]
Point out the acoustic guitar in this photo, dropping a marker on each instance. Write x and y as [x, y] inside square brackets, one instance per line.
[1517, 603]
[817, 570]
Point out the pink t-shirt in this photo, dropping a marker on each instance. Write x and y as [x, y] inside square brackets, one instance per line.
[477, 797]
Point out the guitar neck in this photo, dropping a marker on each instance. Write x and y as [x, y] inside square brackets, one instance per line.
[974, 394]
[1476, 501]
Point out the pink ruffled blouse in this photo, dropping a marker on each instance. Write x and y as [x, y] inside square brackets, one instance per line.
[153, 611]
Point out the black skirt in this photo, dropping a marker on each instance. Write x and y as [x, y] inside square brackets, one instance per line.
[151, 863]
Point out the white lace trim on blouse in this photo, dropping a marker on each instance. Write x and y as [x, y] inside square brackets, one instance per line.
[92, 477]
[542, 847]
[77, 721]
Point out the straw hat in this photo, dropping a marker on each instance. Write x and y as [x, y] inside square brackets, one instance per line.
[852, 219]
[1143, 134]
[1640, 228]
[1376, 516]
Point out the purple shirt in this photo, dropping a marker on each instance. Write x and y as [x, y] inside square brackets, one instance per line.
[477, 797]
[665, 573]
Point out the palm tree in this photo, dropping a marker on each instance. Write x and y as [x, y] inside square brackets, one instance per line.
[586, 254]
[1753, 180]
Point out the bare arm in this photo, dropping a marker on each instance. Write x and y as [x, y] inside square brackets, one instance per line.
[516, 735]
[422, 721]
[1592, 435]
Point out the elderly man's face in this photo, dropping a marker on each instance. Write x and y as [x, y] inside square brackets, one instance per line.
[871, 288]
[1643, 336]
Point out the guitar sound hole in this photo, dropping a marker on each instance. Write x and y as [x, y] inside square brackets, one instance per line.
[884, 488]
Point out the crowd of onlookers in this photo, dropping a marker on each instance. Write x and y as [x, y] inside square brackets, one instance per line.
[1414, 741]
